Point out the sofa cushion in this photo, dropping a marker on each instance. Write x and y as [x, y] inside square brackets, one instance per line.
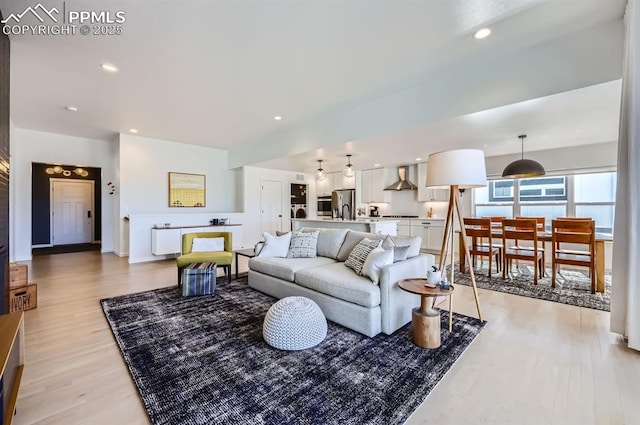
[338, 281]
[286, 268]
[221, 258]
[352, 239]
[303, 245]
[329, 241]
[413, 242]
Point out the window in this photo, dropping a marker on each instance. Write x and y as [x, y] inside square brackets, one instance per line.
[595, 196]
[501, 190]
[580, 195]
[496, 199]
[543, 189]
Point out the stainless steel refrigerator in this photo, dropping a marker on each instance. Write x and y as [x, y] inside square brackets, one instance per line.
[343, 204]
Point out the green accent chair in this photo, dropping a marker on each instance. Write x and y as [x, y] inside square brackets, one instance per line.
[222, 258]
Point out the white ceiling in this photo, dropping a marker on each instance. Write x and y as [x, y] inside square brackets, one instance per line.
[215, 73]
[578, 117]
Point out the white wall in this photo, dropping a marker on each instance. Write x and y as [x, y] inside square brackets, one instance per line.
[29, 146]
[143, 172]
[596, 157]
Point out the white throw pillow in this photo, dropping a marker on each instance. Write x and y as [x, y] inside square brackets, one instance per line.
[275, 246]
[207, 245]
[376, 260]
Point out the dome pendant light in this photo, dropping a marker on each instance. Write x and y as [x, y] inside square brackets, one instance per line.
[320, 175]
[523, 167]
[348, 171]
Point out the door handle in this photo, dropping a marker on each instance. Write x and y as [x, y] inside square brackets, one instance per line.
[88, 214]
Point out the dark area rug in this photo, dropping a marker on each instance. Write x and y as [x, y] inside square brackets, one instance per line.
[573, 287]
[202, 360]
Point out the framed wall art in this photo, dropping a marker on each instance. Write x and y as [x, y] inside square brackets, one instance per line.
[187, 190]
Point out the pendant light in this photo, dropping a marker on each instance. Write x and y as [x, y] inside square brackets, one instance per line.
[348, 170]
[523, 167]
[320, 175]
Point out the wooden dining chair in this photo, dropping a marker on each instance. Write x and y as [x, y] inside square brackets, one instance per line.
[521, 230]
[496, 223]
[541, 223]
[495, 220]
[571, 219]
[479, 229]
[576, 232]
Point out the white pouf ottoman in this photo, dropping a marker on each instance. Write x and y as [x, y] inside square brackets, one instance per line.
[294, 323]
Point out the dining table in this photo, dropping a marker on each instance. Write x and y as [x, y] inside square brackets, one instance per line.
[545, 236]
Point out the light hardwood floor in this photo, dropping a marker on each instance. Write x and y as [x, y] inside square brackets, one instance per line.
[536, 362]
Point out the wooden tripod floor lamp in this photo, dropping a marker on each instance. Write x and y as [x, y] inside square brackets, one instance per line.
[457, 169]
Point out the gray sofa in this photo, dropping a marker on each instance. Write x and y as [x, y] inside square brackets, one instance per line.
[344, 297]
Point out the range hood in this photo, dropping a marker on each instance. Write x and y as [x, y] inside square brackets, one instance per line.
[402, 183]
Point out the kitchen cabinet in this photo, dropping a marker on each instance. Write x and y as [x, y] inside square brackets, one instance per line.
[324, 187]
[431, 231]
[334, 181]
[165, 241]
[426, 194]
[404, 229]
[342, 182]
[373, 184]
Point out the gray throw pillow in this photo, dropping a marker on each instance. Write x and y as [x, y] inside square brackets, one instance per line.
[413, 242]
[400, 253]
[303, 245]
[360, 253]
[352, 239]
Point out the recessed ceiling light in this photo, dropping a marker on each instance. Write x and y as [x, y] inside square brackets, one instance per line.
[109, 67]
[133, 130]
[277, 118]
[485, 145]
[71, 108]
[418, 159]
[376, 165]
[482, 33]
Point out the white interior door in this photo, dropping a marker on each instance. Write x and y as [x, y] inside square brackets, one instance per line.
[271, 206]
[72, 211]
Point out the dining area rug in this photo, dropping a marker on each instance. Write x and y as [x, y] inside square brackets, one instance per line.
[573, 286]
[203, 360]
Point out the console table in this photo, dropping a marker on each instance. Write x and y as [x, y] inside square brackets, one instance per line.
[12, 358]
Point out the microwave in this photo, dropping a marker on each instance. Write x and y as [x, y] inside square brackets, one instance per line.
[324, 206]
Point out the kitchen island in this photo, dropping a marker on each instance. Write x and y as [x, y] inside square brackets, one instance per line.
[371, 225]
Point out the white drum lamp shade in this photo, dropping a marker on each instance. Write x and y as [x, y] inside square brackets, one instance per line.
[464, 168]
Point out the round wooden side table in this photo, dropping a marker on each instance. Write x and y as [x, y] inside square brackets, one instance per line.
[426, 319]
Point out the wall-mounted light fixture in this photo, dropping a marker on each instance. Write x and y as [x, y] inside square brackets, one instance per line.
[67, 173]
